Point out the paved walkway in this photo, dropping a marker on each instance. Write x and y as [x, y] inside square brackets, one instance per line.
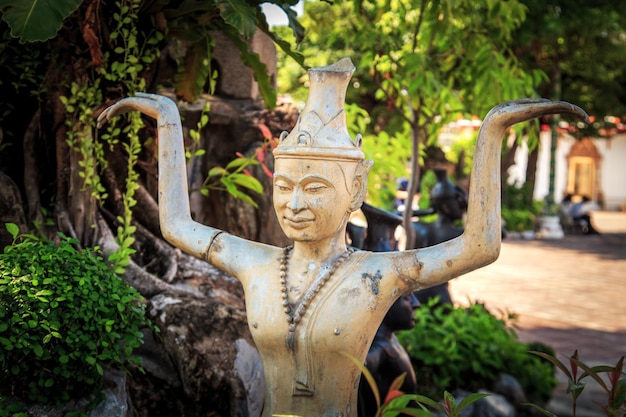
[568, 293]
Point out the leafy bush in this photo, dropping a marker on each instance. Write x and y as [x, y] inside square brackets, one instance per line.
[468, 348]
[519, 211]
[64, 315]
[518, 220]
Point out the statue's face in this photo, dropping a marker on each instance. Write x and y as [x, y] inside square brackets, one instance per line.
[448, 206]
[401, 315]
[311, 198]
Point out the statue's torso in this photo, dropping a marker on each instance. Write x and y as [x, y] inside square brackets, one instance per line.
[316, 378]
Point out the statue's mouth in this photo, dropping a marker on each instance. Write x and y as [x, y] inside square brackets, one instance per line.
[299, 222]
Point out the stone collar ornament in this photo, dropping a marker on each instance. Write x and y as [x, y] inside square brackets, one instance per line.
[296, 312]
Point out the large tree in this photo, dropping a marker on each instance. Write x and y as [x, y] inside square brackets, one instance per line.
[420, 66]
[579, 45]
[62, 62]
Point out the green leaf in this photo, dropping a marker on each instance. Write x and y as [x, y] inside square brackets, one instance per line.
[217, 171]
[541, 409]
[555, 362]
[240, 162]
[36, 20]
[38, 350]
[13, 229]
[192, 75]
[240, 15]
[247, 182]
[230, 186]
[470, 399]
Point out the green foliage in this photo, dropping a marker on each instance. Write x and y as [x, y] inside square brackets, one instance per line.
[566, 37]
[614, 383]
[388, 153]
[253, 61]
[234, 178]
[519, 211]
[397, 402]
[122, 66]
[189, 21]
[36, 20]
[463, 148]
[468, 348]
[419, 66]
[79, 105]
[64, 316]
[518, 220]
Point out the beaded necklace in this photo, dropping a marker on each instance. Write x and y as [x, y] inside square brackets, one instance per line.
[295, 314]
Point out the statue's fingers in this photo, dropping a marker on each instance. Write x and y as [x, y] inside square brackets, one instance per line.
[143, 104]
[104, 117]
[155, 97]
[167, 104]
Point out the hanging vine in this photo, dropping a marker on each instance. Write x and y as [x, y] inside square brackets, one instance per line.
[123, 66]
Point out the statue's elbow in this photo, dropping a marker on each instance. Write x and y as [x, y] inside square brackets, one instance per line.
[171, 230]
[493, 254]
[481, 251]
[489, 253]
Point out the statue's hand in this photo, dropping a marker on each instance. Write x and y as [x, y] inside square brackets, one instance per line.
[515, 111]
[153, 105]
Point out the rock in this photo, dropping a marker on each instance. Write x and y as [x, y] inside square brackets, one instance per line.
[249, 367]
[510, 388]
[114, 404]
[203, 360]
[494, 405]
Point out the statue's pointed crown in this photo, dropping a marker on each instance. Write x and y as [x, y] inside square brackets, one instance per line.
[321, 132]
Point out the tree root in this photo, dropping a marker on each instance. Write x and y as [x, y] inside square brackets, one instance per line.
[144, 282]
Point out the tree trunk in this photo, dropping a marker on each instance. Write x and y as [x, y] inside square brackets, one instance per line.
[531, 169]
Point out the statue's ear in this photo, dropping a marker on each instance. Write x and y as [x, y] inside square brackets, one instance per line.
[359, 184]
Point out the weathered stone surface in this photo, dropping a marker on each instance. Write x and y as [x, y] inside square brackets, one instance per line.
[234, 78]
[494, 405]
[115, 403]
[203, 360]
[510, 388]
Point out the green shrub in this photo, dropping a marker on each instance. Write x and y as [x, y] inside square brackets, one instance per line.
[518, 220]
[64, 315]
[519, 211]
[468, 348]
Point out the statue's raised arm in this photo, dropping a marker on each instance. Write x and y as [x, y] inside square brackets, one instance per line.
[479, 244]
[176, 223]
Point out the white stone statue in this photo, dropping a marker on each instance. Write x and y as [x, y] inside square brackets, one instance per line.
[311, 304]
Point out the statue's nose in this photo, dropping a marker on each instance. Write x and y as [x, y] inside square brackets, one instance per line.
[298, 202]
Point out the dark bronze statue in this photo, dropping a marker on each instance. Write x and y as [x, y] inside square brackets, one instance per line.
[449, 201]
[387, 359]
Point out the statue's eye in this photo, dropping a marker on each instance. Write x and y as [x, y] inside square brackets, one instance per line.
[315, 187]
[282, 186]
